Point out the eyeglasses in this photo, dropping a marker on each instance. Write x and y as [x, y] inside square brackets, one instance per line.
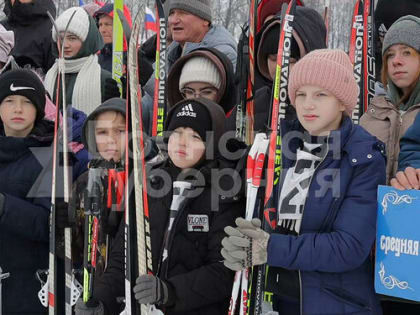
[207, 92]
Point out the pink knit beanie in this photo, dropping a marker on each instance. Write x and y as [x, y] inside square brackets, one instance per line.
[330, 69]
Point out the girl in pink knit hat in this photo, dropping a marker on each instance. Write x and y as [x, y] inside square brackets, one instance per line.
[318, 252]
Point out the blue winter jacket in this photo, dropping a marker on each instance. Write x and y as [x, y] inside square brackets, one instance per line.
[410, 147]
[338, 226]
[24, 230]
[25, 183]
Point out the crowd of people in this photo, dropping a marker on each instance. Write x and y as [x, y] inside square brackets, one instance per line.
[319, 252]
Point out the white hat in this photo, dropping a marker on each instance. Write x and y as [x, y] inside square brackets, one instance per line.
[200, 69]
[78, 26]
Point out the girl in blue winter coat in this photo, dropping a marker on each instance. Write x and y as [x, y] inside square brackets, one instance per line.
[25, 140]
[327, 201]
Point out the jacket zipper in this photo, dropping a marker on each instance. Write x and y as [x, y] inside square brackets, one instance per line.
[303, 212]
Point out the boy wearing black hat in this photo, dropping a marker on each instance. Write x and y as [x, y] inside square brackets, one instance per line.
[25, 140]
[188, 210]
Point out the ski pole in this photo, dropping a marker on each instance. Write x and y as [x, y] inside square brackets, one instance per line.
[2, 277]
[255, 164]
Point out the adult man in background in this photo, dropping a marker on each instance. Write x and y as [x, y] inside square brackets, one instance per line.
[190, 23]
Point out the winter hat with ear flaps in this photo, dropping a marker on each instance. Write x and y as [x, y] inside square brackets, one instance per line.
[26, 83]
[78, 26]
[200, 69]
[404, 31]
[330, 69]
[200, 8]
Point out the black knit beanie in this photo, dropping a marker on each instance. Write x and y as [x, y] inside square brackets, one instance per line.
[26, 83]
[193, 115]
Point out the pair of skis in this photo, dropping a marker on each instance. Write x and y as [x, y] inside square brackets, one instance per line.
[252, 301]
[274, 162]
[137, 219]
[254, 170]
[362, 55]
[48, 292]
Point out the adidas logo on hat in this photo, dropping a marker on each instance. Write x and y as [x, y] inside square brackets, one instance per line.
[187, 110]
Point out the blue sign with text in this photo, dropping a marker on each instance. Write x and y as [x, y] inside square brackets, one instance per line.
[397, 243]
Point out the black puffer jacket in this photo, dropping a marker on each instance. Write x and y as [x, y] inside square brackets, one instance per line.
[32, 28]
[193, 269]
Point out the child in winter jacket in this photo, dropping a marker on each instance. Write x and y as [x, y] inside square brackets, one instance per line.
[103, 135]
[188, 210]
[401, 66]
[25, 197]
[326, 210]
[389, 116]
[87, 85]
[190, 203]
[394, 117]
[309, 33]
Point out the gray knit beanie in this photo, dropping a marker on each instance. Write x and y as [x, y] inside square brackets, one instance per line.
[404, 31]
[200, 8]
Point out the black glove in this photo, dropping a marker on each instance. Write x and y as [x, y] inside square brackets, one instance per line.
[62, 214]
[1, 204]
[93, 307]
[151, 290]
[111, 89]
